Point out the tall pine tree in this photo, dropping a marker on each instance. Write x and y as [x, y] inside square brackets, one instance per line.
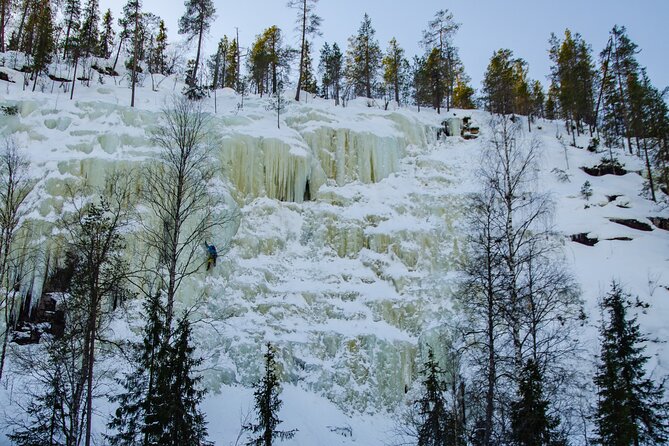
[195, 23]
[363, 59]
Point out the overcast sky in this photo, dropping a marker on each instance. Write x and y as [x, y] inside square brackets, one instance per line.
[523, 26]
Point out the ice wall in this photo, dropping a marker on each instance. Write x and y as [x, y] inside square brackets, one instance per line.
[340, 248]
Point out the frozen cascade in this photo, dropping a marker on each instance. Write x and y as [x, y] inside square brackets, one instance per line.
[343, 283]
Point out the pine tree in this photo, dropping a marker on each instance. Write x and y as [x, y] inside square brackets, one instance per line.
[107, 34]
[573, 75]
[498, 83]
[218, 63]
[157, 60]
[538, 100]
[439, 36]
[363, 59]
[395, 69]
[463, 93]
[5, 11]
[195, 23]
[630, 408]
[232, 66]
[71, 13]
[420, 79]
[88, 39]
[44, 43]
[268, 61]
[531, 424]
[308, 24]
[435, 82]
[267, 406]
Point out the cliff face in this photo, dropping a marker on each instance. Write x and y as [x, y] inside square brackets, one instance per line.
[344, 236]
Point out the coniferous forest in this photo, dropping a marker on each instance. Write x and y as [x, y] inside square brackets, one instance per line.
[507, 373]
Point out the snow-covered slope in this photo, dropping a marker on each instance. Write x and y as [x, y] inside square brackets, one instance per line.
[345, 256]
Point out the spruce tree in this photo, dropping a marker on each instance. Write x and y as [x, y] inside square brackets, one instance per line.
[186, 422]
[88, 39]
[132, 30]
[232, 66]
[630, 408]
[308, 79]
[434, 417]
[531, 424]
[326, 80]
[619, 67]
[363, 59]
[267, 406]
[137, 403]
[218, 63]
[107, 34]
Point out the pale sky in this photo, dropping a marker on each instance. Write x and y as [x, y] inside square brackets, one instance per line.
[523, 26]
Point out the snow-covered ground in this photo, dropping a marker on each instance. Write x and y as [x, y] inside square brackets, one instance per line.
[351, 279]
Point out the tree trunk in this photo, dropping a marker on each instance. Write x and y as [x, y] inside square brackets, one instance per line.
[91, 362]
[199, 47]
[304, 32]
[74, 78]
[135, 53]
[19, 33]
[118, 52]
[4, 7]
[622, 103]
[650, 172]
[67, 36]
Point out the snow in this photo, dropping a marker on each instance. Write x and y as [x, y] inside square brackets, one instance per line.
[351, 284]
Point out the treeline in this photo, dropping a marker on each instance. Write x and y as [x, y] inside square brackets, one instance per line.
[612, 96]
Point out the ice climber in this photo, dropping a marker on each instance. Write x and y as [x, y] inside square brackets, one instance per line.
[211, 259]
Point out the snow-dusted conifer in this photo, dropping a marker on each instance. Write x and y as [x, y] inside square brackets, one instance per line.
[267, 406]
[363, 59]
[630, 407]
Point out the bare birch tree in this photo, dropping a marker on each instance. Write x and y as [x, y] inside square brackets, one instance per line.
[176, 188]
[15, 185]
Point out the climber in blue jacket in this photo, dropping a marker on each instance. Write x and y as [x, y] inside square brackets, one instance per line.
[211, 259]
